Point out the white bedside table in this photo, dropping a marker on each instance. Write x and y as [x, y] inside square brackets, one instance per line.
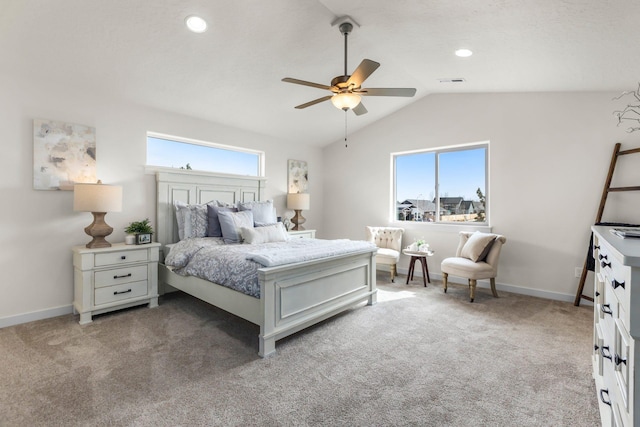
[303, 234]
[108, 279]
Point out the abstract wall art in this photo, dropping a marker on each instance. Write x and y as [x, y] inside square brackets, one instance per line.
[63, 154]
[298, 176]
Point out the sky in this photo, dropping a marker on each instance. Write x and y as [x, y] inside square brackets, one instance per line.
[162, 152]
[461, 173]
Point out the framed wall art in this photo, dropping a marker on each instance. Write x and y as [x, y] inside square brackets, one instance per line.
[298, 176]
[63, 154]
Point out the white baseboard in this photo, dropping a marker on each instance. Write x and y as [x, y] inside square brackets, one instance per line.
[502, 287]
[35, 315]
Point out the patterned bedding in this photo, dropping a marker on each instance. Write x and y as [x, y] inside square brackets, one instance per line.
[231, 265]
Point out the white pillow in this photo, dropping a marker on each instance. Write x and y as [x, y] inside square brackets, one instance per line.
[232, 222]
[477, 246]
[263, 212]
[266, 234]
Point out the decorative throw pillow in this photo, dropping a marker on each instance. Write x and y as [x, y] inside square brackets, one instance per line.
[213, 226]
[266, 234]
[192, 220]
[232, 222]
[263, 212]
[477, 246]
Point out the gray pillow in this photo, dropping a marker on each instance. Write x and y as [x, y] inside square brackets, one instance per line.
[263, 212]
[232, 222]
[477, 246]
[191, 219]
[213, 226]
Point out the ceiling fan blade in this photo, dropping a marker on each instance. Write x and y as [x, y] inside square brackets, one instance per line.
[314, 102]
[398, 91]
[359, 109]
[305, 83]
[363, 71]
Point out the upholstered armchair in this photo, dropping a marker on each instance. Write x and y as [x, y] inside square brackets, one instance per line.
[389, 243]
[476, 259]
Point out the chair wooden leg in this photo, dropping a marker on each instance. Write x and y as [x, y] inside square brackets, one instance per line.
[472, 289]
[493, 287]
[393, 273]
[444, 281]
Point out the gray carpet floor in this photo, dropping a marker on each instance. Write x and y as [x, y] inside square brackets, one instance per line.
[419, 357]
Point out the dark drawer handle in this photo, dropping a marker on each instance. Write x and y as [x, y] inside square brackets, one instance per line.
[605, 264]
[617, 284]
[608, 355]
[602, 393]
[122, 277]
[618, 360]
[602, 256]
[122, 292]
[596, 247]
[595, 347]
[597, 293]
[123, 257]
[606, 309]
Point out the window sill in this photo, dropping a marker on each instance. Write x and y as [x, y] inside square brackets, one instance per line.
[442, 227]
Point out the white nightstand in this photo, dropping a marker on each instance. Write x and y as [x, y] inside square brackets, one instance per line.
[108, 279]
[303, 234]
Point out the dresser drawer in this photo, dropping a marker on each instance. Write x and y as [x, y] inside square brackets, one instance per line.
[120, 257]
[121, 292]
[120, 275]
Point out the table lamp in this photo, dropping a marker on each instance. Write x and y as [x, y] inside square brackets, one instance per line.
[97, 199]
[298, 202]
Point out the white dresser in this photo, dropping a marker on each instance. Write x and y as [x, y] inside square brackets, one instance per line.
[108, 279]
[616, 327]
[303, 234]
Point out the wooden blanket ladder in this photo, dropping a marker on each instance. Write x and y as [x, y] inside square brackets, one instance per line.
[605, 192]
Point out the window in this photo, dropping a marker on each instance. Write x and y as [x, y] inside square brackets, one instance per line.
[183, 153]
[447, 185]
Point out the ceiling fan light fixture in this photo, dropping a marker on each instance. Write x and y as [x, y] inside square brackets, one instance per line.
[345, 100]
[196, 24]
[463, 53]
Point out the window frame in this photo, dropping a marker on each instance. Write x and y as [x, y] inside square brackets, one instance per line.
[437, 151]
[185, 140]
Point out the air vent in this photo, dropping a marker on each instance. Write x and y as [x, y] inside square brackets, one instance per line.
[454, 80]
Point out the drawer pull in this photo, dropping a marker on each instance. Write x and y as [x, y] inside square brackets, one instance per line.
[602, 393]
[600, 257]
[596, 247]
[606, 309]
[605, 264]
[597, 293]
[618, 360]
[122, 277]
[617, 284]
[595, 347]
[608, 355]
[122, 292]
[123, 257]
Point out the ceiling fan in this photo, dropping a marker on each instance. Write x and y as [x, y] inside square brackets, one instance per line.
[347, 89]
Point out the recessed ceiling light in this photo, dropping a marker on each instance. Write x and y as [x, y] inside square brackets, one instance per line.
[463, 53]
[196, 24]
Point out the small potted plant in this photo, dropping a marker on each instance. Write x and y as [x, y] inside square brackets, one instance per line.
[141, 232]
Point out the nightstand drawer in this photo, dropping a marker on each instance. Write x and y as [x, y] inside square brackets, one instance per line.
[121, 292]
[120, 257]
[120, 275]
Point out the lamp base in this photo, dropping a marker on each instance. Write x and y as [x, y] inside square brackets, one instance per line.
[298, 220]
[98, 229]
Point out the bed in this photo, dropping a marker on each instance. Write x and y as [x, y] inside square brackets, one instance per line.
[292, 296]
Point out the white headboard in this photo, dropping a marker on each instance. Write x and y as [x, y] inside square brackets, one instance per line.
[196, 188]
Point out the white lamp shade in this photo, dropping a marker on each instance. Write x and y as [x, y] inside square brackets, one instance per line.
[298, 201]
[97, 198]
[346, 100]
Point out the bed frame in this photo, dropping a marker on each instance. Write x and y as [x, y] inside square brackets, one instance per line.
[293, 296]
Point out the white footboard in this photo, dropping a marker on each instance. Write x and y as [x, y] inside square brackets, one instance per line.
[299, 295]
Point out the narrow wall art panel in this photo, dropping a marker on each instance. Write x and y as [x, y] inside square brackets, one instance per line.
[298, 176]
[63, 154]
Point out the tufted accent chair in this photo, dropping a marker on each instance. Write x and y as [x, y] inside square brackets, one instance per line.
[484, 267]
[389, 243]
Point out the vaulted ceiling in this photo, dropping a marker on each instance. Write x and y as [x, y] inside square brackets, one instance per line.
[140, 51]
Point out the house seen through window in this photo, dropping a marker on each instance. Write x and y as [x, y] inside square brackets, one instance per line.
[447, 185]
[183, 153]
